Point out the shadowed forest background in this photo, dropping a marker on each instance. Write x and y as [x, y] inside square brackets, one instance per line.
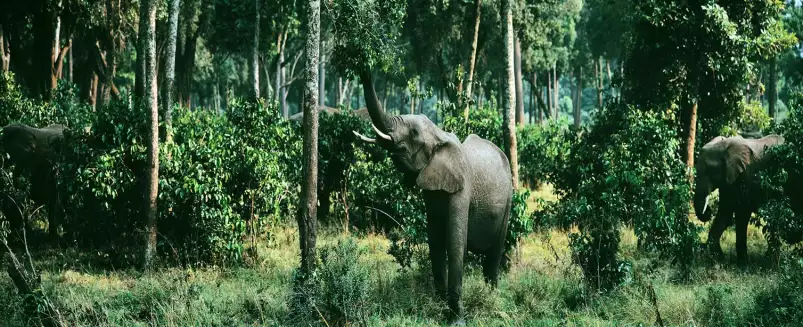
[197, 163]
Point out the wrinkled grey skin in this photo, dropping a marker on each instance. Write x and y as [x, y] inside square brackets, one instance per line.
[467, 189]
[33, 152]
[731, 165]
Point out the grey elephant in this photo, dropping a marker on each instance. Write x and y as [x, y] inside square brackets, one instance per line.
[731, 165]
[33, 152]
[467, 190]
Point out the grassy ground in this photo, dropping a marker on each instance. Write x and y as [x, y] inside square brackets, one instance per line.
[542, 288]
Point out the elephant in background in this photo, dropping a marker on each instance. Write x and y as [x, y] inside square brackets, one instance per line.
[731, 165]
[34, 152]
[467, 189]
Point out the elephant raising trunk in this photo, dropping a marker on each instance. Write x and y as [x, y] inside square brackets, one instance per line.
[467, 189]
[731, 165]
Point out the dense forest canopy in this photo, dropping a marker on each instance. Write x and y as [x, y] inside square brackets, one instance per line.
[573, 150]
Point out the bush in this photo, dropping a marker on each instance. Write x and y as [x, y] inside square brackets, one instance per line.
[625, 169]
[339, 291]
[541, 148]
[782, 303]
[782, 180]
[224, 180]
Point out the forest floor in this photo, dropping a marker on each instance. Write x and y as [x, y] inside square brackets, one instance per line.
[541, 288]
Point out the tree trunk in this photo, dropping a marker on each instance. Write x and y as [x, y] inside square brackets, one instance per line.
[150, 101]
[278, 85]
[510, 94]
[3, 63]
[70, 62]
[549, 97]
[531, 119]
[309, 197]
[556, 92]
[578, 109]
[283, 79]
[519, 84]
[93, 97]
[473, 60]
[598, 74]
[773, 89]
[170, 69]
[322, 79]
[255, 54]
[689, 119]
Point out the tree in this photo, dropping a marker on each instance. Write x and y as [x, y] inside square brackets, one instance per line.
[519, 84]
[675, 47]
[147, 47]
[510, 92]
[170, 69]
[255, 53]
[307, 212]
[473, 59]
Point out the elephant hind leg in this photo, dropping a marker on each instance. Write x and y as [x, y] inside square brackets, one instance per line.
[490, 266]
[742, 219]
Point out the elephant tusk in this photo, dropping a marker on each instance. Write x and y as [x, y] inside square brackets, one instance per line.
[382, 135]
[364, 138]
[705, 206]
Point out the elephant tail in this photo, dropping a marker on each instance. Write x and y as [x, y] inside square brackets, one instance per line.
[506, 247]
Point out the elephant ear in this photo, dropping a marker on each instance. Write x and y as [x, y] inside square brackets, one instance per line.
[445, 171]
[737, 157]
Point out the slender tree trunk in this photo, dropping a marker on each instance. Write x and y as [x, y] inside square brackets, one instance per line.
[510, 94]
[773, 89]
[689, 118]
[70, 62]
[278, 85]
[519, 84]
[549, 97]
[531, 119]
[307, 212]
[148, 45]
[598, 74]
[3, 64]
[282, 71]
[608, 68]
[94, 92]
[556, 94]
[473, 60]
[579, 107]
[255, 54]
[322, 78]
[170, 69]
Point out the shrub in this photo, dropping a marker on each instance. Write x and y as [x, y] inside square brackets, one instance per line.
[782, 303]
[224, 178]
[625, 170]
[541, 148]
[338, 292]
[782, 180]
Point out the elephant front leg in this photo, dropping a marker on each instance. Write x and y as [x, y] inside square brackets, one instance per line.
[437, 254]
[456, 251]
[742, 219]
[718, 226]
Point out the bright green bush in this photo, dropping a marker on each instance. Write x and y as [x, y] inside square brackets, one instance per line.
[225, 180]
[340, 290]
[781, 304]
[782, 180]
[541, 148]
[625, 169]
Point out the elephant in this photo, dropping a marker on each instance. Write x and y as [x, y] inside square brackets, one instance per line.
[731, 165]
[34, 152]
[467, 190]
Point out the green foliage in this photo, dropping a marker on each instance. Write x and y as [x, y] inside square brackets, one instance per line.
[782, 304]
[782, 180]
[63, 109]
[485, 122]
[224, 180]
[339, 291]
[541, 148]
[751, 117]
[365, 34]
[625, 170]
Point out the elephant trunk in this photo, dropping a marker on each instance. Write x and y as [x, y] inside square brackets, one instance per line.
[701, 206]
[381, 120]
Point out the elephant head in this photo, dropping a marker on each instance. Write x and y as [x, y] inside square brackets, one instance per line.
[723, 162]
[428, 157]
